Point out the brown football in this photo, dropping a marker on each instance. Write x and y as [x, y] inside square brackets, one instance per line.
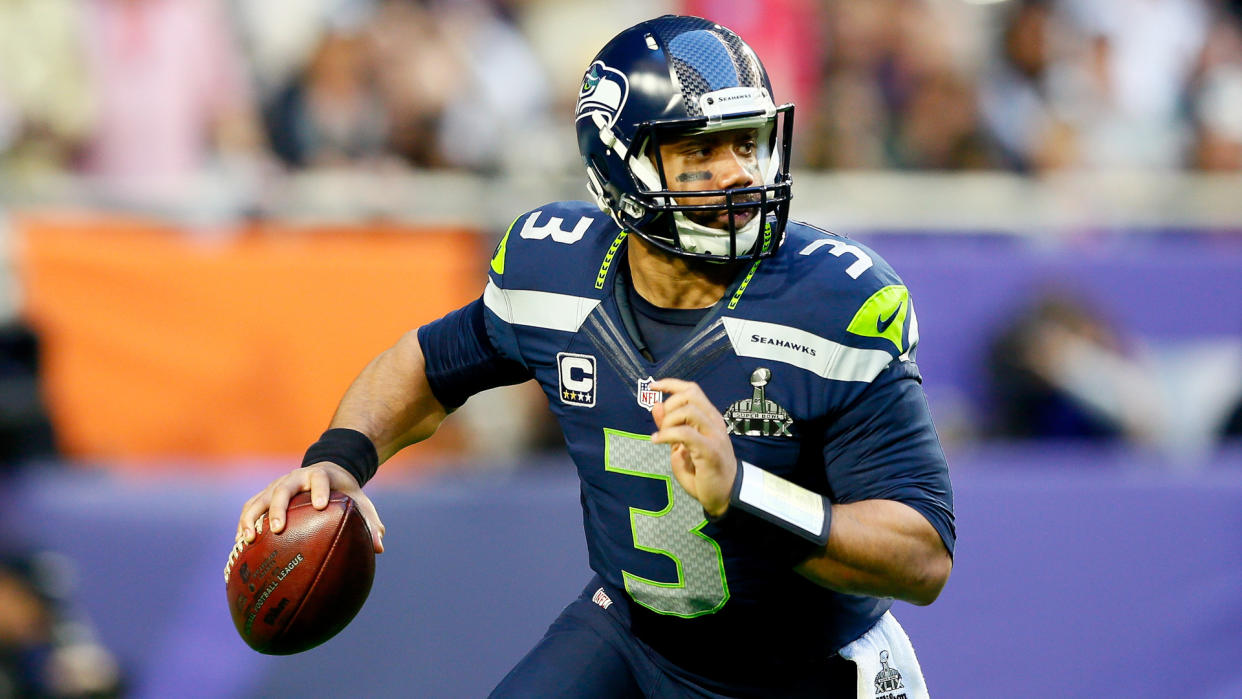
[291, 591]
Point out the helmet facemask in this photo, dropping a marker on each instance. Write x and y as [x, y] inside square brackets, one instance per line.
[716, 224]
[672, 219]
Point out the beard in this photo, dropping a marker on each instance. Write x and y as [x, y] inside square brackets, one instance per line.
[744, 211]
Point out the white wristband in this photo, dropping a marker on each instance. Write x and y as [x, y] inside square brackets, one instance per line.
[783, 503]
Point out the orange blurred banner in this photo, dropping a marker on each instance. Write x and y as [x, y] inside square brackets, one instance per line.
[164, 343]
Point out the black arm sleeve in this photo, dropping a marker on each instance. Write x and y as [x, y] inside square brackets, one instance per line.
[461, 360]
[885, 448]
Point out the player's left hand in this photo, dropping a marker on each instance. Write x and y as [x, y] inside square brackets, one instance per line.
[703, 460]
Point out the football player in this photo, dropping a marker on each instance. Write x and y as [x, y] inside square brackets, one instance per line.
[760, 475]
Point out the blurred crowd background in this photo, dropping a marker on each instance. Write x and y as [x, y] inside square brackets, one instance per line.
[145, 95]
[198, 196]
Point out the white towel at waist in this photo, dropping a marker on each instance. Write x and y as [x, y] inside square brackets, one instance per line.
[887, 666]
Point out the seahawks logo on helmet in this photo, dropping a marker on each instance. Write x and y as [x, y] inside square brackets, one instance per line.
[603, 93]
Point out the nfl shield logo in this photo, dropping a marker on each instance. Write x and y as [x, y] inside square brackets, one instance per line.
[647, 397]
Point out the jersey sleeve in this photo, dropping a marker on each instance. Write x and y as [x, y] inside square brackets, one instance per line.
[475, 348]
[461, 359]
[884, 446]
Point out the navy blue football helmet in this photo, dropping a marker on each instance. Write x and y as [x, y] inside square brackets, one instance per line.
[668, 78]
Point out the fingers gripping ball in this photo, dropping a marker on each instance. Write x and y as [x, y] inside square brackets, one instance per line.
[292, 591]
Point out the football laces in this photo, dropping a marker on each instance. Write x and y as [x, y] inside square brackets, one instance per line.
[240, 545]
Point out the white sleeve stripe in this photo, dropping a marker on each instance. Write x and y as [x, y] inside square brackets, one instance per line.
[539, 309]
[914, 335]
[495, 301]
[818, 355]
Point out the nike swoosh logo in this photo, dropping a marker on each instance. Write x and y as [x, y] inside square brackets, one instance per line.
[881, 324]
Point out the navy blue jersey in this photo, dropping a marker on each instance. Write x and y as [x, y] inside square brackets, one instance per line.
[809, 358]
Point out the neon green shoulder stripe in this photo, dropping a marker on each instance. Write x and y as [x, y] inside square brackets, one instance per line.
[884, 316]
[498, 257]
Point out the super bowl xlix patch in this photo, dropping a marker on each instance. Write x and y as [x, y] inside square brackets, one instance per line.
[757, 416]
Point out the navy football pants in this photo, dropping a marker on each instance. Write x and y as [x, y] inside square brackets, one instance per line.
[589, 653]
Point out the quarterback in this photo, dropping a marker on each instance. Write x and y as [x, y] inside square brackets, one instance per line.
[760, 475]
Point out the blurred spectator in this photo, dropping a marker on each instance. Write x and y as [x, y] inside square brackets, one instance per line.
[931, 95]
[420, 73]
[498, 116]
[938, 127]
[1120, 80]
[173, 94]
[332, 116]
[45, 649]
[851, 123]
[1215, 96]
[1231, 430]
[45, 110]
[1061, 370]
[280, 36]
[897, 93]
[462, 87]
[1029, 134]
[26, 433]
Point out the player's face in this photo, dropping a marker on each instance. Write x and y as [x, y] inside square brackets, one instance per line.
[717, 160]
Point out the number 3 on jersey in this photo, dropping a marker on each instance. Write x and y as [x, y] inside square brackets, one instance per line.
[861, 264]
[674, 531]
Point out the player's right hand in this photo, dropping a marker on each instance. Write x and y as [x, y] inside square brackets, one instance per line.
[320, 479]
